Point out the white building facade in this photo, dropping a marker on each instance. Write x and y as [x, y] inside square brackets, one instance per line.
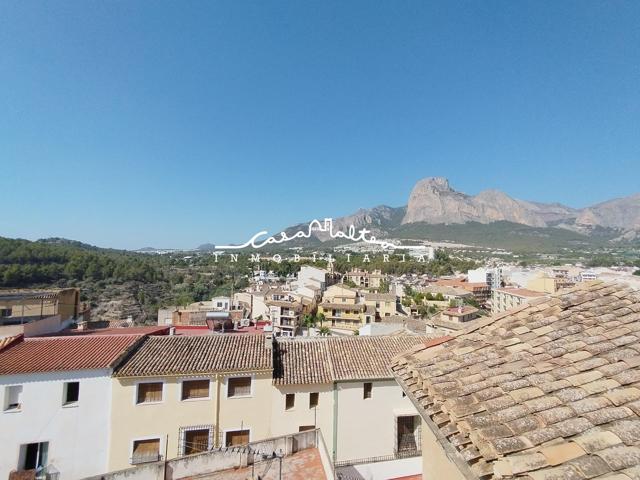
[55, 422]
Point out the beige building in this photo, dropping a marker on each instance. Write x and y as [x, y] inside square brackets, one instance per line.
[364, 279]
[181, 395]
[547, 391]
[383, 303]
[284, 312]
[343, 308]
[451, 320]
[503, 299]
[37, 312]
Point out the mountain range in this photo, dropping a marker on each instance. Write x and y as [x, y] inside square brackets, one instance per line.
[434, 203]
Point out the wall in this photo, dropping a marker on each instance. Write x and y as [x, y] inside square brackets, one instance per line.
[366, 427]
[288, 421]
[131, 421]
[436, 465]
[77, 435]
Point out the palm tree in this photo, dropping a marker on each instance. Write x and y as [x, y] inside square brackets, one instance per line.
[308, 321]
[324, 331]
[320, 318]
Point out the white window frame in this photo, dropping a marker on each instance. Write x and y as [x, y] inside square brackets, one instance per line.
[135, 396]
[5, 399]
[183, 430]
[64, 395]
[253, 381]
[187, 379]
[148, 437]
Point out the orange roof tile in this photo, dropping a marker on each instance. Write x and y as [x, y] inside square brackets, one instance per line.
[49, 354]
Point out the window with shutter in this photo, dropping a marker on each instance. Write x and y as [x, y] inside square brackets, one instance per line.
[192, 389]
[146, 450]
[196, 441]
[237, 437]
[239, 387]
[149, 392]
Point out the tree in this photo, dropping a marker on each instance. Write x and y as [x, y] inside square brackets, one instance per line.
[324, 331]
[320, 318]
[356, 332]
[308, 321]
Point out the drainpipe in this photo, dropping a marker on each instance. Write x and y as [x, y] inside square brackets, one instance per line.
[217, 425]
[335, 422]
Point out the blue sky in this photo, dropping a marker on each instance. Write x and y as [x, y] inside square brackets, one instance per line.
[129, 124]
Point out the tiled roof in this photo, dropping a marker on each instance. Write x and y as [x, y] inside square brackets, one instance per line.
[380, 297]
[183, 355]
[550, 390]
[521, 292]
[51, 354]
[140, 330]
[299, 361]
[328, 359]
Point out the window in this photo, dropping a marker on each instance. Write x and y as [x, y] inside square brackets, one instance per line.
[149, 392]
[306, 428]
[71, 393]
[367, 390]
[313, 399]
[290, 401]
[35, 455]
[237, 437]
[195, 439]
[192, 389]
[5, 312]
[13, 398]
[239, 387]
[146, 451]
[408, 434]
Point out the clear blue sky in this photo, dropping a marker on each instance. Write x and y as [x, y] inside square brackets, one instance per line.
[136, 123]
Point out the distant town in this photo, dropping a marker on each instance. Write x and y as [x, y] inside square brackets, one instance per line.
[285, 370]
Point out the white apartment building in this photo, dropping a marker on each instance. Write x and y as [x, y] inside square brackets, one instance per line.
[490, 276]
[56, 403]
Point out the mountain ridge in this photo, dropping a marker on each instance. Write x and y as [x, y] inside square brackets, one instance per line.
[433, 201]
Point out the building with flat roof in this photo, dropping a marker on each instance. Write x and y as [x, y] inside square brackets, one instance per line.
[503, 299]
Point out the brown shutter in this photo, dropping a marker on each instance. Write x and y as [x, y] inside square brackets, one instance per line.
[195, 389]
[149, 392]
[239, 386]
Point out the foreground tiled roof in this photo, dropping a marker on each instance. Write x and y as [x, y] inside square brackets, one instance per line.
[328, 359]
[183, 355]
[51, 354]
[547, 391]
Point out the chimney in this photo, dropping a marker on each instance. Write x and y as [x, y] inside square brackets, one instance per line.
[268, 340]
[172, 330]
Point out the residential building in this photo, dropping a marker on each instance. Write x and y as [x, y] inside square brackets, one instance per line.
[385, 304]
[38, 312]
[284, 312]
[481, 291]
[448, 293]
[588, 276]
[451, 320]
[490, 276]
[179, 395]
[504, 299]
[364, 279]
[340, 385]
[547, 391]
[56, 403]
[343, 308]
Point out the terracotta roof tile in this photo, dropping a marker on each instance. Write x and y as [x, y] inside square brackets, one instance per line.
[174, 355]
[548, 391]
[329, 359]
[48, 354]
